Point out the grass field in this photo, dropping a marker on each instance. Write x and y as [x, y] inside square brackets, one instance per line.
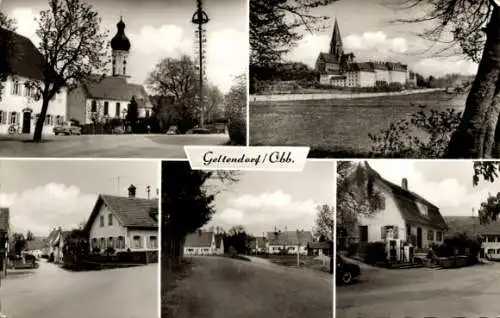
[337, 128]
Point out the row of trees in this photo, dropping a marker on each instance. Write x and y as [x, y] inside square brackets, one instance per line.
[74, 47]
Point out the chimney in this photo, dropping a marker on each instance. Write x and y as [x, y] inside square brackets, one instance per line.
[131, 191]
[404, 184]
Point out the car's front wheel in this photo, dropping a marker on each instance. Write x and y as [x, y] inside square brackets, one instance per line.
[347, 278]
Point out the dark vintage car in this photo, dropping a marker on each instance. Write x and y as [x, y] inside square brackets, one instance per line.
[67, 128]
[346, 271]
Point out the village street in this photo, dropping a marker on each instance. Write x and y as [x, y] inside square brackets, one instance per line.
[422, 292]
[224, 288]
[130, 146]
[52, 292]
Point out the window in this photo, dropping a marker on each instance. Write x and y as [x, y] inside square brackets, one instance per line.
[110, 219]
[498, 251]
[491, 251]
[106, 108]
[101, 220]
[439, 236]
[423, 209]
[48, 120]
[117, 111]
[111, 242]
[137, 241]
[363, 233]
[190, 250]
[153, 242]
[94, 243]
[430, 235]
[93, 108]
[491, 239]
[13, 118]
[498, 239]
[205, 250]
[16, 88]
[2, 117]
[103, 243]
[121, 242]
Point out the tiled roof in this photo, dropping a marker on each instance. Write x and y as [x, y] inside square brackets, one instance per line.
[471, 225]
[328, 58]
[130, 212]
[20, 55]
[4, 219]
[199, 239]
[289, 238]
[116, 88]
[361, 67]
[407, 203]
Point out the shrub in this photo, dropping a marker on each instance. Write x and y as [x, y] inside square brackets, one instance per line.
[232, 251]
[237, 131]
[352, 249]
[375, 253]
[110, 250]
[30, 258]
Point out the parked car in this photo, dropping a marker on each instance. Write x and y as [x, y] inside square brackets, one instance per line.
[118, 130]
[172, 130]
[67, 128]
[346, 271]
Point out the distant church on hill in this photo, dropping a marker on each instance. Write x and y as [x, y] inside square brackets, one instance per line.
[340, 69]
[108, 97]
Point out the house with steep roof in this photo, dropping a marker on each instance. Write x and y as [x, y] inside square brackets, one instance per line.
[35, 247]
[55, 242]
[290, 242]
[101, 98]
[403, 218]
[20, 103]
[203, 244]
[471, 226]
[123, 223]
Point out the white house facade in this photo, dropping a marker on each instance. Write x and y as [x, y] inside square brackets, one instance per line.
[289, 242]
[203, 243]
[20, 103]
[123, 224]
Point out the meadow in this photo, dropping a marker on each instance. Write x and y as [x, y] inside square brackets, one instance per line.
[338, 128]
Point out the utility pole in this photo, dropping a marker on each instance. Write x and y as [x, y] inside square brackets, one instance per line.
[200, 18]
[148, 189]
[298, 248]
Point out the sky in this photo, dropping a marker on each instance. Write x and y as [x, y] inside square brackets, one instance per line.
[261, 201]
[367, 31]
[43, 194]
[162, 28]
[446, 184]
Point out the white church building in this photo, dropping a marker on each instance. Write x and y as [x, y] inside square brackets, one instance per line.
[20, 105]
[100, 98]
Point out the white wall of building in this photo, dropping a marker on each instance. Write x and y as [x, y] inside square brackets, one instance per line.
[15, 106]
[397, 77]
[104, 231]
[491, 246]
[292, 249]
[142, 240]
[113, 106]
[366, 79]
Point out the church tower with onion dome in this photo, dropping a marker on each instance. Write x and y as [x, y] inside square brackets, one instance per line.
[120, 46]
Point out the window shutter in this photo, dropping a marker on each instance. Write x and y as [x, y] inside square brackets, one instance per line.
[396, 232]
[383, 232]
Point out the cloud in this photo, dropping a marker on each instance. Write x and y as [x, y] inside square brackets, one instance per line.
[443, 66]
[25, 23]
[375, 42]
[43, 208]
[308, 48]
[264, 211]
[226, 51]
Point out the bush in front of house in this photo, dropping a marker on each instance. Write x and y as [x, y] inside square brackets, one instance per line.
[237, 131]
[375, 253]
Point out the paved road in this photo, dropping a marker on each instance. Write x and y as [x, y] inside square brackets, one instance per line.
[116, 146]
[51, 292]
[464, 292]
[225, 288]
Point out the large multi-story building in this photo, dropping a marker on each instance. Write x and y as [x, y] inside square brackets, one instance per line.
[340, 69]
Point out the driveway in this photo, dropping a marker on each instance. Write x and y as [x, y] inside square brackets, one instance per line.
[422, 292]
[225, 288]
[52, 292]
[127, 146]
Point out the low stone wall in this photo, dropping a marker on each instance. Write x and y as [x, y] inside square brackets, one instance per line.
[322, 96]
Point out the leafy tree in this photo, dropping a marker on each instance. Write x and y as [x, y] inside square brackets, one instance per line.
[357, 196]
[29, 236]
[19, 242]
[238, 239]
[324, 222]
[72, 46]
[177, 78]
[488, 170]
[235, 109]
[475, 30]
